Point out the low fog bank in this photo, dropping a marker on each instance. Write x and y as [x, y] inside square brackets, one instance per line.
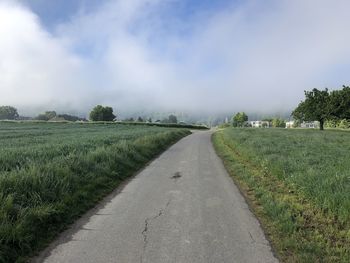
[211, 117]
[141, 56]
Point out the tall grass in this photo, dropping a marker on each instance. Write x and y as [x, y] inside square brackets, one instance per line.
[51, 173]
[299, 183]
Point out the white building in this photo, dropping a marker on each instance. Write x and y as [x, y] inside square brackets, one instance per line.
[310, 125]
[290, 124]
[259, 124]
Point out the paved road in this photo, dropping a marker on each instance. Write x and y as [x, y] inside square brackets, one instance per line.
[182, 208]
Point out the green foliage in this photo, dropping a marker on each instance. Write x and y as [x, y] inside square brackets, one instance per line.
[331, 123]
[324, 106]
[267, 119]
[68, 117]
[344, 124]
[264, 125]
[224, 125]
[239, 119]
[8, 113]
[50, 173]
[48, 115]
[340, 103]
[278, 123]
[296, 123]
[139, 119]
[170, 119]
[100, 113]
[316, 106]
[303, 201]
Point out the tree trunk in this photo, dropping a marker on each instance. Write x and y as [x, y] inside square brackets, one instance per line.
[321, 125]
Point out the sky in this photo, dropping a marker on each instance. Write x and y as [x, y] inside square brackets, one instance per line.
[170, 55]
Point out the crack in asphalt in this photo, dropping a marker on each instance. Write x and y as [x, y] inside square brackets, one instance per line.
[145, 229]
[253, 240]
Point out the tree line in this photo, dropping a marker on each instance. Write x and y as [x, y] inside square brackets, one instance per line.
[240, 119]
[8, 113]
[98, 113]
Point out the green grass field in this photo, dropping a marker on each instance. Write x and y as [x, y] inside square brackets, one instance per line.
[50, 173]
[298, 184]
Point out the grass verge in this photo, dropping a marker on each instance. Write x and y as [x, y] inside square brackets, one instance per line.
[297, 183]
[51, 174]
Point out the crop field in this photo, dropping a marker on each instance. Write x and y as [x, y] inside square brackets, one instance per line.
[50, 173]
[298, 184]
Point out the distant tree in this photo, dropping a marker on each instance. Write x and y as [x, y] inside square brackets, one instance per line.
[100, 113]
[149, 119]
[315, 107]
[172, 119]
[278, 123]
[139, 119]
[8, 113]
[239, 119]
[48, 115]
[68, 117]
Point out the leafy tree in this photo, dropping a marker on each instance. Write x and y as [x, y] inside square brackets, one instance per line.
[316, 106]
[278, 123]
[8, 113]
[340, 103]
[149, 120]
[139, 119]
[48, 115]
[100, 113]
[239, 119]
[172, 119]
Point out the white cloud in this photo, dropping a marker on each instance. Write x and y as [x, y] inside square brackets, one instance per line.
[35, 69]
[257, 56]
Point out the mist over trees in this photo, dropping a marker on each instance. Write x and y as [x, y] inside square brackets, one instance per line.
[69, 117]
[48, 115]
[100, 113]
[8, 113]
[171, 119]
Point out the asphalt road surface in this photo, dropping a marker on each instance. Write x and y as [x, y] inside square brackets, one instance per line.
[183, 207]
